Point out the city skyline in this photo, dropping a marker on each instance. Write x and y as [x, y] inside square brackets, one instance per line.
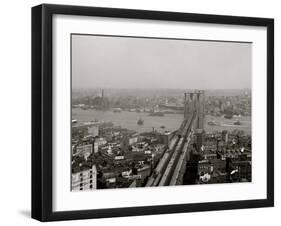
[141, 63]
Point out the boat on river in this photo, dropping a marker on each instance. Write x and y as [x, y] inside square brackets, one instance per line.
[237, 123]
[228, 116]
[140, 121]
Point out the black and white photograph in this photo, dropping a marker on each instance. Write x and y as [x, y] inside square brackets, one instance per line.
[141, 112]
[149, 112]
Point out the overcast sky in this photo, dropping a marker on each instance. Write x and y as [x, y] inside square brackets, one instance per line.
[120, 62]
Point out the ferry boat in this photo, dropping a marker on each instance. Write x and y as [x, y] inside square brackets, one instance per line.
[140, 121]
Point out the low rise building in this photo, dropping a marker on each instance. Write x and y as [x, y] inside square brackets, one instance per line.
[84, 150]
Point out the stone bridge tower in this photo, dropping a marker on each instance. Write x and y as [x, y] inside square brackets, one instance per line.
[195, 102]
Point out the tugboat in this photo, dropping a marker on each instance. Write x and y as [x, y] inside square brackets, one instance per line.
[140, 122]
[237, 123]
[228, 116]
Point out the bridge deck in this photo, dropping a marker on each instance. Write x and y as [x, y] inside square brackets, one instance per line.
[165, 180]
[164, 170]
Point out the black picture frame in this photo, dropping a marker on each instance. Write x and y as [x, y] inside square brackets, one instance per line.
[42, 111]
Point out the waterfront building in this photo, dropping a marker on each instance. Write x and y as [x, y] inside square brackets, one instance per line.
[133, 139]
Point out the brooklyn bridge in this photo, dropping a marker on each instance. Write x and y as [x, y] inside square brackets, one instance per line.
[171, 168]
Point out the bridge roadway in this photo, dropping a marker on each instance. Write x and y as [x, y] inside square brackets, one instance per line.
[169, 169]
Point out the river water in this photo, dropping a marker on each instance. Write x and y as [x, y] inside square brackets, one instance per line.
[171, 122]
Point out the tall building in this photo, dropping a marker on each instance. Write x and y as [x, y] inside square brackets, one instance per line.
[225, 136]
[93, 130]
[199, 135]
[84, 180]
[191, 172]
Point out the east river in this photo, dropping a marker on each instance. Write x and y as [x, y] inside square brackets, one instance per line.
[169, 122]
